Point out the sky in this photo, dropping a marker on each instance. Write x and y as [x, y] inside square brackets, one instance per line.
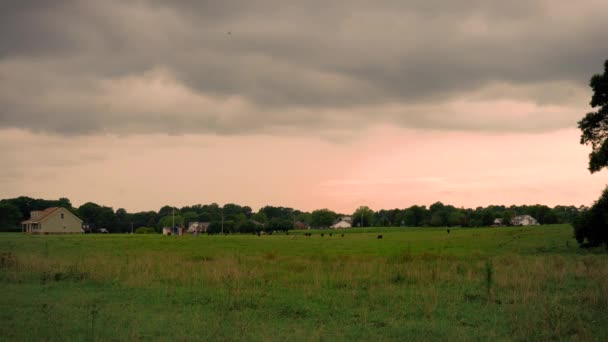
[315, 104]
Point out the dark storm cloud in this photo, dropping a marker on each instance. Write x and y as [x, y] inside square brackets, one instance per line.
[234, 67]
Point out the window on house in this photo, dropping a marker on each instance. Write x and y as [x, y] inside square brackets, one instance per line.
[62, 216]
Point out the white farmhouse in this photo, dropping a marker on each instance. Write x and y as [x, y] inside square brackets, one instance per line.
[343, 222]
[198, 227]
[524, 220]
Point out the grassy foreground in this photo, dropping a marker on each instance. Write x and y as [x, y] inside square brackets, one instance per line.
[414, 284]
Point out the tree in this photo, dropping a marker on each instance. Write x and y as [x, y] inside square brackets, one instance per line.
[456, 218]
[565, 214]
[189, 216]
[278, 224]
[414, 216]
[260, 217]
[169, 221]
[507, 217]
[249, 226]
[363, 217]
[304, 218]
[591, 228]
[10, 217]
[594, 125]
[231, 211]
[123, 220]
[322, 218]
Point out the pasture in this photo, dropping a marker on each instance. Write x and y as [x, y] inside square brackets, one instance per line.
[413, 284]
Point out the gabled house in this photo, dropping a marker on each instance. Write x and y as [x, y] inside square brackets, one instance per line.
[54, 220]
[343, 222]
[524, 220]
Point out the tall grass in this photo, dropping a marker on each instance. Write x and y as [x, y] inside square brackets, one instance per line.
[413, 284]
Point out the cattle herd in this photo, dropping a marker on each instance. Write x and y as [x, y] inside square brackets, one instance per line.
[332, 234]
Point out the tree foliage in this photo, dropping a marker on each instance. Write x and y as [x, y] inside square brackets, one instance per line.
[594, 125]
[322, 218]
[591, 226]
[363, 217]
[241, 219]
[9, 216]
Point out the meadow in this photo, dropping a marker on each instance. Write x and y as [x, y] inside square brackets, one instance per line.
[515, 283]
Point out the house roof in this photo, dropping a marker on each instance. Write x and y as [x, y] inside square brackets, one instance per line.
[46, 213]
[350, 224]
[346, 219]
[521, 218]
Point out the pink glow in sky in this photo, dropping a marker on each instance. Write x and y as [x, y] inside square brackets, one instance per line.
[387, 168]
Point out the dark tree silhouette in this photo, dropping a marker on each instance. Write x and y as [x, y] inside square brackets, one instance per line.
[591, 227]
[594, 125]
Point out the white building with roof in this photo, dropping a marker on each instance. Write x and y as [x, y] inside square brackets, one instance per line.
[54, 220]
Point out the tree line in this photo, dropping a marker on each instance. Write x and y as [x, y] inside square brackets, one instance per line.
[234, 218]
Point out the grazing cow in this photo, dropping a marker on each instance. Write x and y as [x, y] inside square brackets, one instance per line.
[379, 236]
[448, 231]
[322, 234]
[330, 234]
[342, 234]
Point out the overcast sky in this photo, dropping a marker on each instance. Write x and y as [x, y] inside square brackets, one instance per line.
[313, 104]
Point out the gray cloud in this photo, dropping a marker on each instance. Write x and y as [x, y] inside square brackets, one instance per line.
[281, 67]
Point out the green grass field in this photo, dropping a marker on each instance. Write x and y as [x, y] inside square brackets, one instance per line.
[414, 284]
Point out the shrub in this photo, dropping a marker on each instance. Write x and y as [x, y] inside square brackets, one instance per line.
[591, 225]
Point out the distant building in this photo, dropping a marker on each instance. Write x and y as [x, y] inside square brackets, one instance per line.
[198, 227]
[497, 222]
[524, 220]
[343, 222]
[54, 220]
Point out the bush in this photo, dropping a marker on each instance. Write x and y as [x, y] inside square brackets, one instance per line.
[216, 227]
[277, 224]
[591, 225]
[249, 227]
[145, 230]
